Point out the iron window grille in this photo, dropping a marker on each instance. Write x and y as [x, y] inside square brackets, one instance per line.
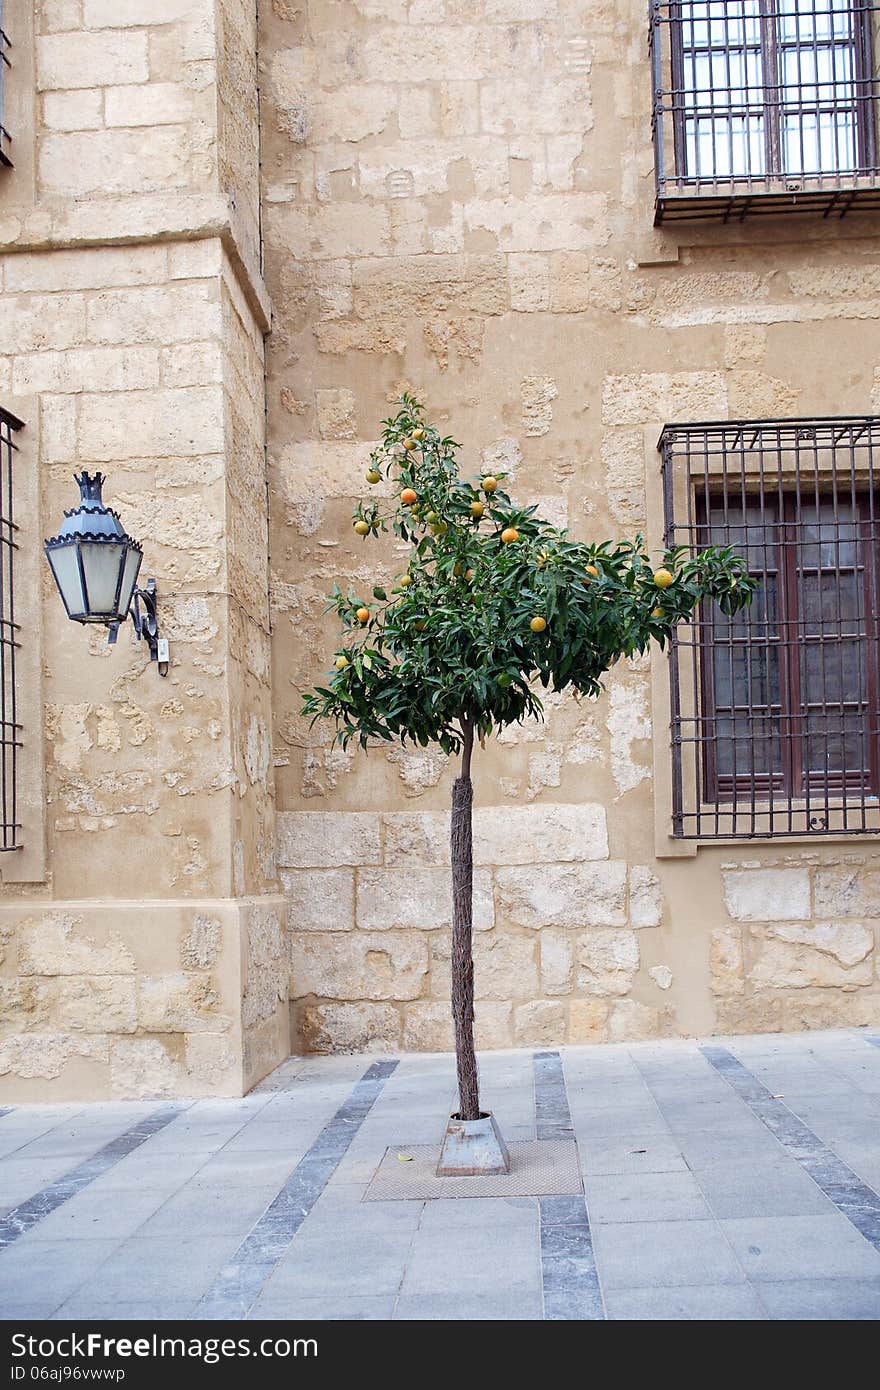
[5, 65]
[10, 728]
[763, 106]
[775, 713]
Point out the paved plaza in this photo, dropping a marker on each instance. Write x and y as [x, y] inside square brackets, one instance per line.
[723, 1179]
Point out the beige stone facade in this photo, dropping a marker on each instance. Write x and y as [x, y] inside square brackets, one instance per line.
[457, 199]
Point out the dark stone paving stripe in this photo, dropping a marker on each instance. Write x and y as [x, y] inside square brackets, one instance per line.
[5, 1110]
[858, 1202]
[22, 1218]
[568, 1264]
[238, 1286]
[875, 1042]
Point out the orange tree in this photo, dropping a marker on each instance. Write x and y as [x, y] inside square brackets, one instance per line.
[494, 604]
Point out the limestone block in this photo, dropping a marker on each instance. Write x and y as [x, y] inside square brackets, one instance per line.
[58, 428]
[432, 53]
[607, 961]
[541, 222]
[180, 1003]
[70, 1003]
[588, 1021]
[825, 954]
[726, 970]
[492, 1024]
[164, 314]
[101, 267]
[86, 369]
[416, 837]
[35, 323]
[73, 60]
[428, 1027]
[192, 364]
[350, 1028]
[767, 895]
[44, 1056]
[540, 834]
[121, 14]
[156, 103]
[646, 397]
[631, 1021]
[645, 897]
[325, 839]
[361, 965]
[348, 114]
[77, 110]
[320, 899]
[563, 895]
[430, 285]
[321, 469]
[848, 891]
[145, 1069]
[553, 107]
[151, 423]
[769, 1011]
[392, 899]
[328, 231]
[557, 961]
[58, 943]
[459, 108]
[335, 407]
[416, 113]
[540, 1023]
[529, 277]
[211, 1063]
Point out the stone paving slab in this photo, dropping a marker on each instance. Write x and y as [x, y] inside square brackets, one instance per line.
[733, 1179]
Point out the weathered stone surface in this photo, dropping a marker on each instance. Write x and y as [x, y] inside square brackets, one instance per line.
[540, 1023]
[847, 891]
[662, 976]
[645, 897]
[563, 895]
[607, 961]
[557, 960]
[726, 971]
[320, 899]
[631, 1021]
[502, 835]
[389, 965]
[187, 1002]
[59, 943]
[321, 839]
[824, 954]
[427, 1027]
[388, 899]
[505, 966]
[144, 1069]
[767, 895]
[492, 1023]
[588, 1021]
[350, 1027]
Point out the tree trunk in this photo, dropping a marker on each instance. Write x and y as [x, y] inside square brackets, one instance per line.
[461, 842]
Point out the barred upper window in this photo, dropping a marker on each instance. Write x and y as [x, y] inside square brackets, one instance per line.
[763, 106]
[775, 713]
[10, 726]
[5, 65]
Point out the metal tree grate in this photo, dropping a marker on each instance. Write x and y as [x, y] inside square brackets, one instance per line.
[763, 106]
[10, 728]
[775, 714]
[538, 1168]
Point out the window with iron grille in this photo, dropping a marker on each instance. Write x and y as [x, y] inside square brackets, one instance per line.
[764, 106]
[10, 727]
[775, 713]
[5, 65]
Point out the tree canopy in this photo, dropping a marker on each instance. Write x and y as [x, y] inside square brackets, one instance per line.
[494, 603]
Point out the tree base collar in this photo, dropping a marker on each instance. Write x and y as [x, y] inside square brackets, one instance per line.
[472, 1148]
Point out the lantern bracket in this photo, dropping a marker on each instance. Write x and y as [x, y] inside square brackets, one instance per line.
[144, 616]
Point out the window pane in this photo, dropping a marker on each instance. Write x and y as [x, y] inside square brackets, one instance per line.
[832, 602]
[832, 671]
[746, 675]
[747, 746]
[725, 147]
[839, 736]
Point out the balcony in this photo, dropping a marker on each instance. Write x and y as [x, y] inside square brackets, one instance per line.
[764, 108]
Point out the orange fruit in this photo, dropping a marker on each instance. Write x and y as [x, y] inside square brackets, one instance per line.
[408, 496]
[663, 578]
[418, 434]
[421, 625]
[509, 534]
[656, 613]
[363, 615]
[362, 528]
[591, 569]
[477, 510]
[409, 444]
[468, 574]
[538, 624]
[489, 483]
[341, 663]
[373, 475]
[405, 581]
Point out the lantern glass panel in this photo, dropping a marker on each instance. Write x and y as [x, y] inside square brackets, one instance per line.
[64, 560]
[102, 561]
[129, 579]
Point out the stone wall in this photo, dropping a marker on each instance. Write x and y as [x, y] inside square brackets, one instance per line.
[150, 958]
[458, 200]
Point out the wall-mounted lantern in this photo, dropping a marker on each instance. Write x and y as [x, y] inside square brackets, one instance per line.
[96, 563]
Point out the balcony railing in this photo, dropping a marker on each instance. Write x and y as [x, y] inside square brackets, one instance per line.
[764, 106]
